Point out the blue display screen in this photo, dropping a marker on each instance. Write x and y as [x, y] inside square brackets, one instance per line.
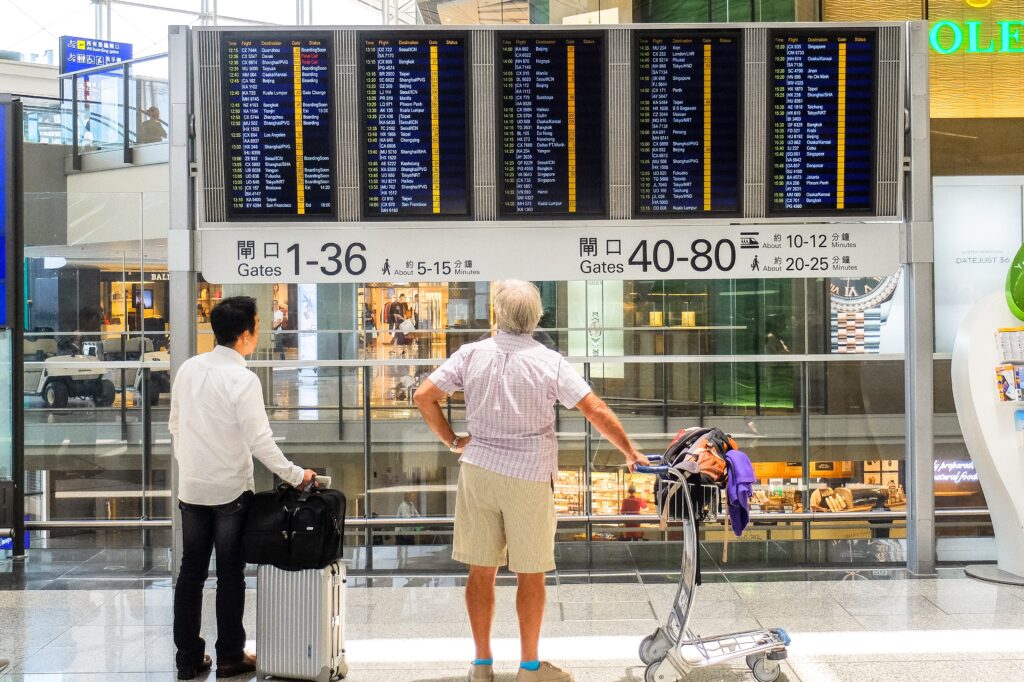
[822, 121]
[552, 116]
[414, 118]
[688, 108]
[278, 135]
[6, 204]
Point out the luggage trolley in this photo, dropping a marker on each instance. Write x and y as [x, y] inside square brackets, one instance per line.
[673, 650]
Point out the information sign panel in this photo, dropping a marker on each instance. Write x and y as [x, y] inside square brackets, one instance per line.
[278, 141]
[688, 99]
[415, 105]
[78, 54]
[551, 118]
[822, 121]
[583, 252]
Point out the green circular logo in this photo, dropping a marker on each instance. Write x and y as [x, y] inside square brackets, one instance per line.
[1015, 285]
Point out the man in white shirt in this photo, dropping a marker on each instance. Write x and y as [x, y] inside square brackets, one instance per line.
[407, 510]
[218, 423]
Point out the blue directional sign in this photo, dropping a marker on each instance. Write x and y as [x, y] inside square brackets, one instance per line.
[77, 54]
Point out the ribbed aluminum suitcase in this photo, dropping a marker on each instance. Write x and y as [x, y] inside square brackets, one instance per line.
[300, 623]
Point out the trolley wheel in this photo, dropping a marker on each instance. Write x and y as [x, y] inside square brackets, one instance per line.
[761, 670]
[752, 659]
[650, 674]
[647, 649]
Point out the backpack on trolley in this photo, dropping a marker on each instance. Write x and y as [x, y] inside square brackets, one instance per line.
[695, 457]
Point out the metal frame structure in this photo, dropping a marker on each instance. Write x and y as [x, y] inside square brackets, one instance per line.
[189, 202]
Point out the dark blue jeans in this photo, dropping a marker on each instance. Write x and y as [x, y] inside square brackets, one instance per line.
[204, 529]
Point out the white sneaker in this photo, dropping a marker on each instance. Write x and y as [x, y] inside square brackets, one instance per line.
[481, 673]
[546, 673]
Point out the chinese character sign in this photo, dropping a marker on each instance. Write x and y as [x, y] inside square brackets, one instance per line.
[77, 54]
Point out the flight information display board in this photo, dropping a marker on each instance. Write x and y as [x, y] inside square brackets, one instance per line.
[688, 111]
[822, 121]
[552, 122]
[414, 99]
[279, 141]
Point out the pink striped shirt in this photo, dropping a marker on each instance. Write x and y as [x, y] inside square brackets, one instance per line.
[511, 383]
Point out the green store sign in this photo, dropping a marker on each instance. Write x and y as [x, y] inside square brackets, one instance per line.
[949, 37]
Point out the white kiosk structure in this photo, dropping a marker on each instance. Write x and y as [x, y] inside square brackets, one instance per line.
[988, 426]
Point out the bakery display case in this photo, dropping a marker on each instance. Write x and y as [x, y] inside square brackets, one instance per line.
[569, 492]
[608, 491]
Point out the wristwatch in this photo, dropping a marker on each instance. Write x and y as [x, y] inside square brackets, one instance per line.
[860, 306]
[454, 444]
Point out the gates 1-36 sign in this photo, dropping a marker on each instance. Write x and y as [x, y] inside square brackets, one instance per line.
[570, 253]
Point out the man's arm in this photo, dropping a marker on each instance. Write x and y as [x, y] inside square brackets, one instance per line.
[252, 418]
[428, 399]
[605, 421]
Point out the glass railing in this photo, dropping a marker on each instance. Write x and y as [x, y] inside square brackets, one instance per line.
[120, 106]
[818, 429]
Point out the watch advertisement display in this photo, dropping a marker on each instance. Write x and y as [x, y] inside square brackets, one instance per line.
[978, 229]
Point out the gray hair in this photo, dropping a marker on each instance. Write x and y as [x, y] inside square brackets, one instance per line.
[517, 306]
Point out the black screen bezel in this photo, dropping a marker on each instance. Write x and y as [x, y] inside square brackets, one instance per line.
[872, 210]
[231, 213]
[499, 38]
[10, 180]
[735, 34]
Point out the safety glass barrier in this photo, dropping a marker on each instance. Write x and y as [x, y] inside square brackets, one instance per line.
[121, 106]
[46, 120]
[825, 435]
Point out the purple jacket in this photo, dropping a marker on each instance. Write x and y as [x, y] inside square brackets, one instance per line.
[739, 487]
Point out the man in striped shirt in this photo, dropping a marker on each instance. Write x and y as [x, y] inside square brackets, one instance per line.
[504, 507]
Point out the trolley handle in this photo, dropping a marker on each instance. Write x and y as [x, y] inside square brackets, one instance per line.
[655, 466]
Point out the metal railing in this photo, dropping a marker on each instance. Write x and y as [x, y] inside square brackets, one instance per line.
[366, 524]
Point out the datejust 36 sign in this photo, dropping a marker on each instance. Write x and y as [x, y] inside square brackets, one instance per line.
[546, 253]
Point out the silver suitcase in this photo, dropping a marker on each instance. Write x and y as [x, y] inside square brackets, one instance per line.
[300, 623]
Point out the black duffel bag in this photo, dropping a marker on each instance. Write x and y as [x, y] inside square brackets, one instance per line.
[293, 529]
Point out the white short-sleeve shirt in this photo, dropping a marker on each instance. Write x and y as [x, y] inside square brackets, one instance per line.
[511, 383]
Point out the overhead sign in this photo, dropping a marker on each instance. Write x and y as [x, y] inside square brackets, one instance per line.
[670, 251]
[78, 54]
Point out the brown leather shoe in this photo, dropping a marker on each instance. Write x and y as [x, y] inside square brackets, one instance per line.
[192, 673]
[246, 666]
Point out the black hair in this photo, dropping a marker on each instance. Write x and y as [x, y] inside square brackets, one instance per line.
[232, 317]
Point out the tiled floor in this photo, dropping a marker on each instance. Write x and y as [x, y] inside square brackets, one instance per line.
[864, 627]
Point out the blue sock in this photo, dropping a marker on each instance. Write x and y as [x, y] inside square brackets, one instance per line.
[483, 661]
[530, 665]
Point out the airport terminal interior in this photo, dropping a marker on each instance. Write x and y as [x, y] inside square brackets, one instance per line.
[797, 221]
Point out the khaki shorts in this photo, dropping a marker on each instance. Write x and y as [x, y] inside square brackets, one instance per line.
[499, 518]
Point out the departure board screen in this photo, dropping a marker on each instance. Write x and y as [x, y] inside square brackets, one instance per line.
[414, 116]
[688, 109]
[278, 141]
[552, 121]
[822, 122]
